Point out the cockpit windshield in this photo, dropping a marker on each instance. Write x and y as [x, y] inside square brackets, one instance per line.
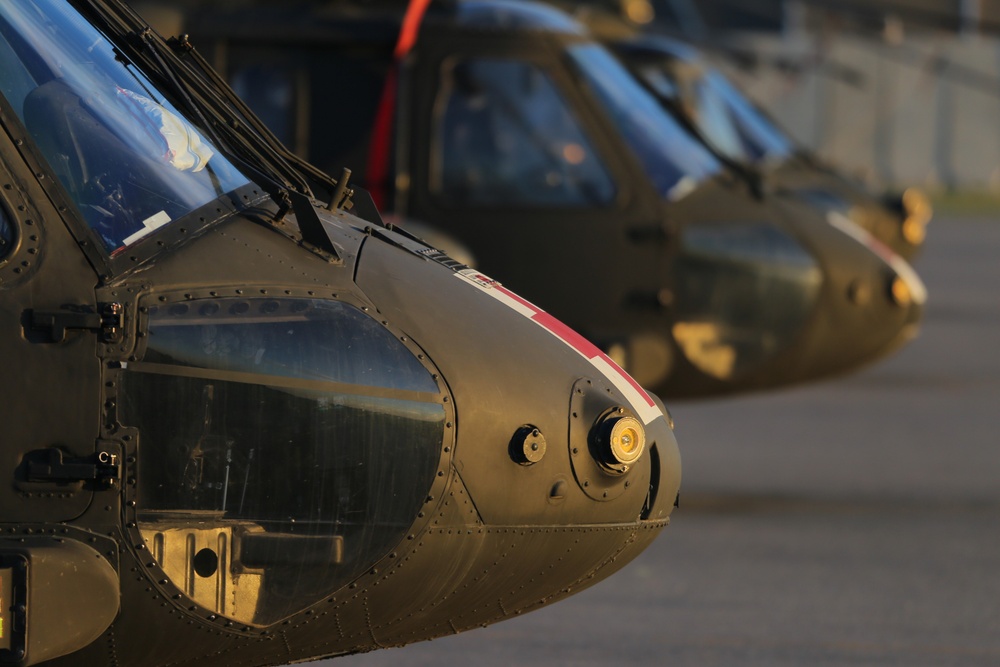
[727, 120]
[128, 159]
[762, 139]
[674, 160]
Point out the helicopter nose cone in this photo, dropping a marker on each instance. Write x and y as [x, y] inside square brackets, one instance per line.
[905, 286]
[877, 298]
[562, 469]
[763, 304]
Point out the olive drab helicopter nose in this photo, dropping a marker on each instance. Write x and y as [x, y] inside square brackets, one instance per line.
[255, 424]
[828, 279]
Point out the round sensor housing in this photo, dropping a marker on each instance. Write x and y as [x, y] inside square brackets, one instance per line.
[621, 440]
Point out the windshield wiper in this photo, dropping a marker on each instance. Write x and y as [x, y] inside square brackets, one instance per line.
[225, 130]
[242, 128]
[230, 125]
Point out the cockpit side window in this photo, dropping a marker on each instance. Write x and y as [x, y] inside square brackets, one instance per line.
[504, 135]
[130, 162]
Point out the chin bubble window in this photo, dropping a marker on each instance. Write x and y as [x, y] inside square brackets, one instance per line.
[285, 446]
[744, 292]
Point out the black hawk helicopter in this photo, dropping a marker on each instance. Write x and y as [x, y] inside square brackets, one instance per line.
[506, 127]
[247, 426]
[664, 45]
[744, 136]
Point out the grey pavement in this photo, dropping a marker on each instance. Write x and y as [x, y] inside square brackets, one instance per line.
[851, 522]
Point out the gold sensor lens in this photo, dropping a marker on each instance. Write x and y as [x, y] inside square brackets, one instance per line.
[627, 440]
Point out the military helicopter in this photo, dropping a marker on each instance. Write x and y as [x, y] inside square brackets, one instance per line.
[505, 126]
[248, 426]
[740, 133]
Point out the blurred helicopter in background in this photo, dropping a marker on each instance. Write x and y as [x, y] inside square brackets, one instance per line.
[249, 424]
[741, 134]
[506, 127]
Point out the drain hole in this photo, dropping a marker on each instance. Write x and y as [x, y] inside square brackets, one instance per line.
[206, 563]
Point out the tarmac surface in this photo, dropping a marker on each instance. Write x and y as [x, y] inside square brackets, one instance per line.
[851, 522]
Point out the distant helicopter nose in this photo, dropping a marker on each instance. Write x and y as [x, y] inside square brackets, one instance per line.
[762, 304]
[873, 300]
[887, 295]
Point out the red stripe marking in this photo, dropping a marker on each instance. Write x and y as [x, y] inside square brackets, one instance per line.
[411, 26]
[377, 173]
[574, 340]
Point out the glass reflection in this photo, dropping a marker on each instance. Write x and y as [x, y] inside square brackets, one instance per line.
[722, 114]
[763, 140]
[285, 446]
[128, 159]
[505, 136]
[674, 161]
[269, 89]
[744, 292]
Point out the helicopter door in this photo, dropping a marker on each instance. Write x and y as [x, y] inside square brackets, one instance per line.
[49, 337]
[508, 161]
